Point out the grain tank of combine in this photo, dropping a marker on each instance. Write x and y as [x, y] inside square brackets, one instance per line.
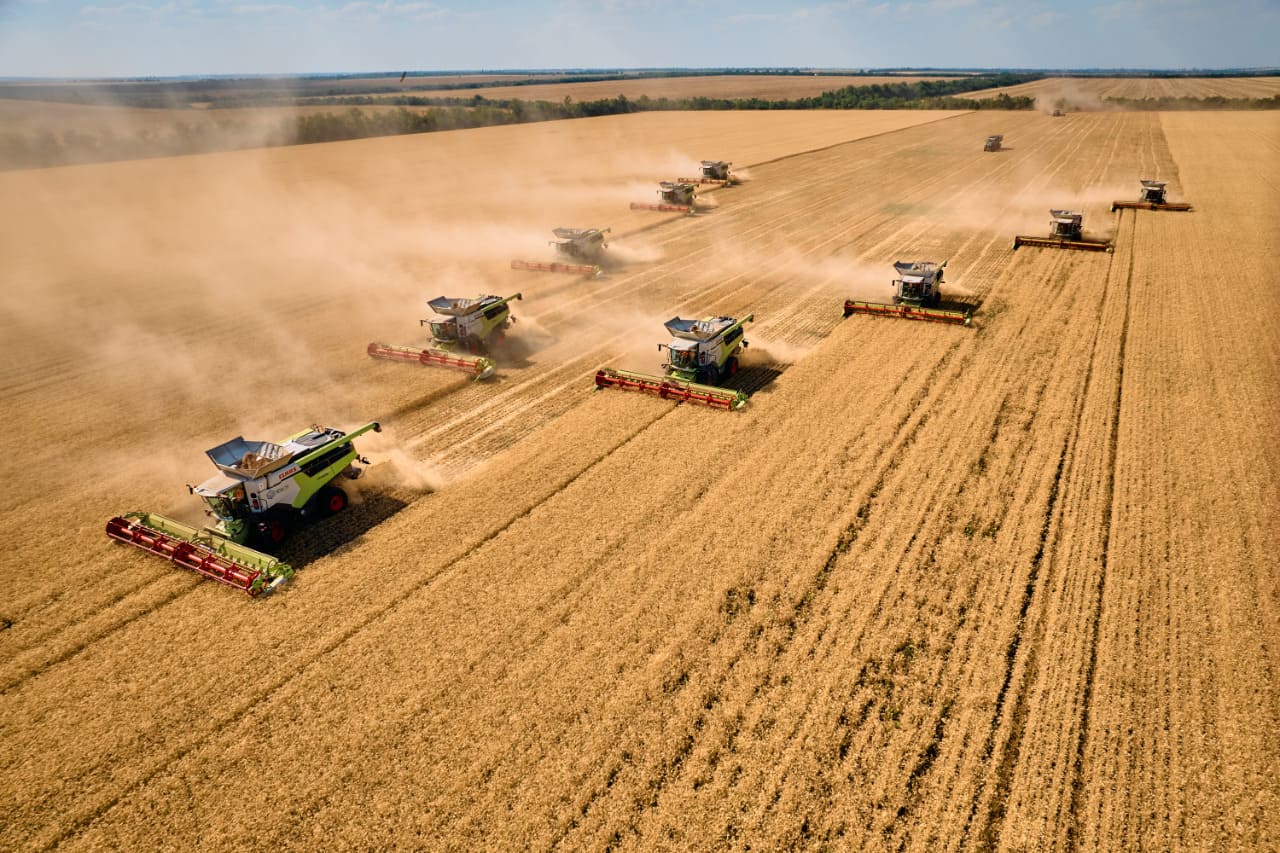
[460, 331]
[700, 354]
[580, 248]
[1065, 232]
[1153, 198]
[917, 295]
[262, 492]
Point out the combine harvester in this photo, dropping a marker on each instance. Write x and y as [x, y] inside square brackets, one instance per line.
[673, 197]
[581, 245]
[916, 296]
[1152, 199]
[993, 143]
[713, 172]
[475, 325]
[700, 354]
[1065, 233]
[262, 491]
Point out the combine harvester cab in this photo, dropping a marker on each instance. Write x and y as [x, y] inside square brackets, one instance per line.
[994, 143]
[1064, 233]
[583, 247]
[713, 172]
[474, 325]
[1152, 199]
[700, 354]
[262, 491]
[673, 197]
[916, 296]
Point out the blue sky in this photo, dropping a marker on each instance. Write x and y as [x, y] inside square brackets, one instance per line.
[173, 37]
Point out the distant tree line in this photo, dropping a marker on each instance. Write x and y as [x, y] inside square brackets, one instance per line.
[1212, 102]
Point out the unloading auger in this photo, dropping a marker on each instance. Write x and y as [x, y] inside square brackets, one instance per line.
[700, 354]
[262, 492]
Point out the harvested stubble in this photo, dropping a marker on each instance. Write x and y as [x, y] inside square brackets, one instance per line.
[914, 597]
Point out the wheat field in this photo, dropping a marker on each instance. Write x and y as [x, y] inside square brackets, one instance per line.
[934, 588]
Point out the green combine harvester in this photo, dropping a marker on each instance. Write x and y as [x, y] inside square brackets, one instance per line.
[701, 353]
[262, 492]
[916, 296]
[474, 325]
[714, 172]
[1065, 232]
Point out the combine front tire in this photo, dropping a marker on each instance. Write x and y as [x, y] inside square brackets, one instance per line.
[273, 532]
[333, 499]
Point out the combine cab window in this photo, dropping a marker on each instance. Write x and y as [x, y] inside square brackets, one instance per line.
[682, 358]
[222, 507]
[444, 330]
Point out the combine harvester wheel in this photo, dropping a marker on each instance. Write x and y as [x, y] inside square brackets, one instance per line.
[248, 570]
[670, 388]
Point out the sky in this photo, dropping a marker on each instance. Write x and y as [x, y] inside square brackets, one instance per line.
[127, 38]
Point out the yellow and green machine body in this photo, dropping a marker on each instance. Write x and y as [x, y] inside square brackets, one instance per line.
[461, 330]
[263, 491]
[700, 355]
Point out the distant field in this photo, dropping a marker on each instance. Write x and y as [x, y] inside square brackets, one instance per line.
[183, 93]
[28, 116]
[1090, 89]
[727, 86]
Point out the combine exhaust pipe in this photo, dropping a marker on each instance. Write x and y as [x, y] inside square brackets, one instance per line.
[670, 388]
[588, 270]
[249, 571]
[907, 312]
[479, 365]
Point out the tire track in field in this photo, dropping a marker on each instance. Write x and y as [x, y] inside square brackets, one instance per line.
[1023, 651]
[992, 241]
[925, 542]
[1074, 828]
